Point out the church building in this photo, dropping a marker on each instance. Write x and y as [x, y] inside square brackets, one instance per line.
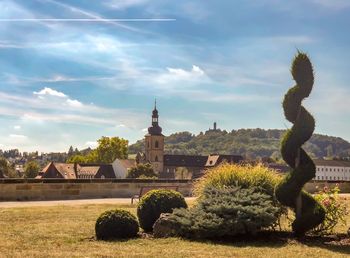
[168, 165]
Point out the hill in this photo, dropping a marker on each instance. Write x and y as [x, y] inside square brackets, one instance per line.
[251, 143]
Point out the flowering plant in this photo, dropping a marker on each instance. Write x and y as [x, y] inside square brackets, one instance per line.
[336, 210]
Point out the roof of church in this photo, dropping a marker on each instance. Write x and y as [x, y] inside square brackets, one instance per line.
[185, 160]
[331, 163]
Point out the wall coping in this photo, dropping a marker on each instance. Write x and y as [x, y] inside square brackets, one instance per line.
[93, 180]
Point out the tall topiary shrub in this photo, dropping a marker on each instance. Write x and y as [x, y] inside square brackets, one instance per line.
[309, 213]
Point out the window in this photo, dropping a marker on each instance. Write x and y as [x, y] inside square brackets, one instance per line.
[102, 177]
[156, 159]
[167, 170]
[156, 145]
[318, 177]
[322, 177]
[326, 177]
[148, 144]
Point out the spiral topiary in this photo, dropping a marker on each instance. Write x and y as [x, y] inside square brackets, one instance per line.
[309, 213]
[156, 202]
[116, 224]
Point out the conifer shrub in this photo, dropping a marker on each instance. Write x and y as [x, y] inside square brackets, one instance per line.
[116, 224]
[224, 211]
[244, 176]
[155, 202]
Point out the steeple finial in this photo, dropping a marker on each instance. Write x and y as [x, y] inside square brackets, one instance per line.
[155, 103]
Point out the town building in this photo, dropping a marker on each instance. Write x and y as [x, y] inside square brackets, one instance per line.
[77, 171]
[332, 170]
[167, 165]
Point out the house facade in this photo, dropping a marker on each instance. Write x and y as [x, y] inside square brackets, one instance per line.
[332, 170]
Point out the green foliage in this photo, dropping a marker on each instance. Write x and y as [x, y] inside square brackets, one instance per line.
[142, 171]
[245, 176]
[6, 169]
[108, 149]
[310, 212]
[31, 169]
[155, 202]
[336, 210]
[116, 224]
[252, 143]
[226, 211]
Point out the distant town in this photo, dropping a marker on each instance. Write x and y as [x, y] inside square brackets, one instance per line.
[83, 164]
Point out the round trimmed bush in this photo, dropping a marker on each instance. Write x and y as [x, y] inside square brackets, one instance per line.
[156, 202]
[116, 224]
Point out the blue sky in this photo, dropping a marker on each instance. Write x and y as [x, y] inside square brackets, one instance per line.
[68, 83]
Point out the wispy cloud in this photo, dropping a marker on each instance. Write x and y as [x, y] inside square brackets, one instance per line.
[334, 4]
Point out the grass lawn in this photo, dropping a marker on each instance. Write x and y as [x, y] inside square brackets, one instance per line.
[68, 231]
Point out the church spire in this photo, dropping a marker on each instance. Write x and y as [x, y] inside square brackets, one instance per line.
[155, 128]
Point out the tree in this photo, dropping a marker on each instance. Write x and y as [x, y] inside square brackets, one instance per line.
[70, 151]
[111, 148]
[108, 149]
[309, 213]
[142, 170]
[31, 169]
[182, 173]
[6, 169]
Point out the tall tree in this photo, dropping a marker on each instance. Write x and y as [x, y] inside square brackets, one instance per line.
[31, 169]
[111, 148]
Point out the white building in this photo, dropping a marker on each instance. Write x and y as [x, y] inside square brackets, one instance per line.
[332, 170]
[121, 167]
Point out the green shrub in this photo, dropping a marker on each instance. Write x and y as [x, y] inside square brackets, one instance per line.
[245, 176]
[142, 170]
[225, 211]
[309, 213]
[336, 210]
[155, 202]
[115, 224]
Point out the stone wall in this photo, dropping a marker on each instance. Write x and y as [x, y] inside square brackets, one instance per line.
[63, 189]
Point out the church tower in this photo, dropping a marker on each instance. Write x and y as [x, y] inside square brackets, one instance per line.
[154, 143]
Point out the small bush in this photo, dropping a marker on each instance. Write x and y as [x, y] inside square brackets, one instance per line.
[227, 211]
[155, 202]
[244, 176]
[336, 211]
[141, 170]
[116, 224]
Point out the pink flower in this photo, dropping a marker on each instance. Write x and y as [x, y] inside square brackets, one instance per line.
[326, 202]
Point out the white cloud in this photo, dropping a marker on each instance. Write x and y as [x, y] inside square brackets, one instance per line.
[74, 103]
[18, 136]
[124, 4]
[178, 74]
[17, 127]
[50, 92]
[144, 130]
[91, 144]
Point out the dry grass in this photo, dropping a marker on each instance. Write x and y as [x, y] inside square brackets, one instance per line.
[68, 231]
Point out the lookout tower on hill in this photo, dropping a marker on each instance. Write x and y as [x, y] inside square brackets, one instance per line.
[154, 143]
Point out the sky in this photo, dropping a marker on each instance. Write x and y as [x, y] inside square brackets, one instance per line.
[73, 71]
